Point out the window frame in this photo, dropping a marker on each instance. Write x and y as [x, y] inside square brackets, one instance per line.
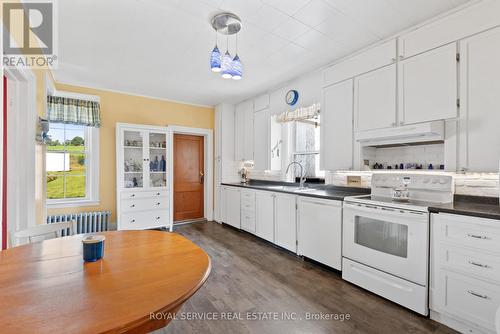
[91, 175]
[294, 151]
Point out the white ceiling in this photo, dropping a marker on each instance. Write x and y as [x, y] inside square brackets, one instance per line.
[160, 48]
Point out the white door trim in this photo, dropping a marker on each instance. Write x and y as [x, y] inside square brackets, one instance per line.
[207, 134]
[22, 118]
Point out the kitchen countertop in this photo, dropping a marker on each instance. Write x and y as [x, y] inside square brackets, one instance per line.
[484, 207]
[320, 190]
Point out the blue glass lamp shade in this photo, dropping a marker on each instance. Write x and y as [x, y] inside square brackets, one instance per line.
[226, 66]
[215, 60]
[237, 68]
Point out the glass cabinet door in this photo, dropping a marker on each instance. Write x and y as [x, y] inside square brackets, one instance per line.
[157, 159]
[133, 159]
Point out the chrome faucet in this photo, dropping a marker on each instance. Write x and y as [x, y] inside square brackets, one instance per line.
[302, 176]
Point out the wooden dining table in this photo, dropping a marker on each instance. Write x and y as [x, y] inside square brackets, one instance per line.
[141, 282]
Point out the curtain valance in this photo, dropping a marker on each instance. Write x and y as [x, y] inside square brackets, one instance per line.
[73, 111]
[299, 114]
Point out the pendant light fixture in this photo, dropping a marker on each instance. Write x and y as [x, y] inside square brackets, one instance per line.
[237, 67]
[229, 67]
[215, 59]
[227, 62]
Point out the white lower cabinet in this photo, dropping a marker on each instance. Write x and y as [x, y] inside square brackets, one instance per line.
[232, 207]
[465, 279]
[320, 230]
[264, 215]
[285, 232]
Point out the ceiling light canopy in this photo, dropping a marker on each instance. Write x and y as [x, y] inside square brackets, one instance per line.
[229, 67]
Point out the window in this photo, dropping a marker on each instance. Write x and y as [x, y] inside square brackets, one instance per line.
[72, 160]
[306, 150]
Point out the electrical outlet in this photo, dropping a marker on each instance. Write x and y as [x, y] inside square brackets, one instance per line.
[354, 181]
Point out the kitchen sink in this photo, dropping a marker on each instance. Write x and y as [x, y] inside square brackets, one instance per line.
[291, 189]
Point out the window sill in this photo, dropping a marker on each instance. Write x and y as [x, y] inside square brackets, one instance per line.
[71, 204]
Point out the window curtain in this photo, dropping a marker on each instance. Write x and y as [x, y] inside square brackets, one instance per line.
[73, 111]
[299, 114]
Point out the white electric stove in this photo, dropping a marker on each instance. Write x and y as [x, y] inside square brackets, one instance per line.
[386, 240]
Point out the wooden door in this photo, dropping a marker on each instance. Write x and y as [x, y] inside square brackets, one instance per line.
[375, 99]
[188, 177]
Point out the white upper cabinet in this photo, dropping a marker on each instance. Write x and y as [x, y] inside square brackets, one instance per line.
[285, 222]
[244, 131]
[262, 122]
[480, 111]
[376, 57]
[337, 127]
[428, 86]
[261, 102]
[481, 16]
[375, 99]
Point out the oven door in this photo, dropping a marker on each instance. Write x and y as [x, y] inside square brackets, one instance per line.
[392, 240]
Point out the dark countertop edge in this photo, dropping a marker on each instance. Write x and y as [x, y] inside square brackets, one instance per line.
[486, 207]
[465, 213]
[472, 206]
[331, 188]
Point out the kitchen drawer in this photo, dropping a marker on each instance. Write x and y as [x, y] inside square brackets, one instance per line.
[469, 298]
[469, 261]
[145, 219]
[248, 205]
[248, 196]
[479, 233]
[248, 221]
[143, 194]
[144, 204]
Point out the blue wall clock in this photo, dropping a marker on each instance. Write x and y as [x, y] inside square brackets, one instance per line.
[292, 97]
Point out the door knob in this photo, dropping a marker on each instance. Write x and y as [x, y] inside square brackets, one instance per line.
[202, 177]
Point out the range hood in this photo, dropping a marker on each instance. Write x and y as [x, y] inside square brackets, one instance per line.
[402, 135]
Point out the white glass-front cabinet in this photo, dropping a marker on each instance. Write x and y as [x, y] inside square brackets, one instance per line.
[142, 177]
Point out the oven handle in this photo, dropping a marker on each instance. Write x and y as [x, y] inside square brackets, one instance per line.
[382, 209]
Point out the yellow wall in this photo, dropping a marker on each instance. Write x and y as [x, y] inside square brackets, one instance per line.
[117, 107]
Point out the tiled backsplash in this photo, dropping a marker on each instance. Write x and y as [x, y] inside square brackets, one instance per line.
[476, 184]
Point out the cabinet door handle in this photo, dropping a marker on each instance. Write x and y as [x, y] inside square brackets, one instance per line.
[132, 206]
[132, 221]
[475, 236]
[157, 218]
[478, 264]
[477, 294]
[158, 203]
[133, 195]
[157, 194]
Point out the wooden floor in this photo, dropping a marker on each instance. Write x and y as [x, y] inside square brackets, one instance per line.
[250, 275]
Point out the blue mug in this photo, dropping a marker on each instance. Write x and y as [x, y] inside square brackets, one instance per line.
[93, 248]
